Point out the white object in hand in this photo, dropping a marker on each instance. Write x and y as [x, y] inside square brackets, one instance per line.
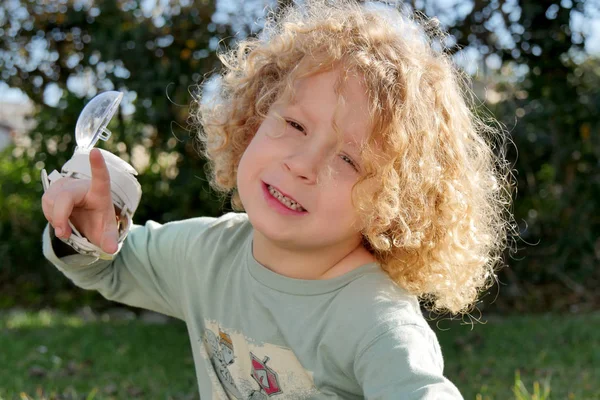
[126, 190]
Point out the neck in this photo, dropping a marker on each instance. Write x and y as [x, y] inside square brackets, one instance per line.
[318, 263]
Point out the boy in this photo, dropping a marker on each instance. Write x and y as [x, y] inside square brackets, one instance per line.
[365, 186]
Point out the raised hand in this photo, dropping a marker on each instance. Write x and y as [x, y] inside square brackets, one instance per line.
[87, 204]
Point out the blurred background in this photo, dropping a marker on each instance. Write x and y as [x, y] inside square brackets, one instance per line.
[534, 64]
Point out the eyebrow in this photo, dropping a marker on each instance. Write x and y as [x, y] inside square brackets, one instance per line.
[302, 110]
[296, 107]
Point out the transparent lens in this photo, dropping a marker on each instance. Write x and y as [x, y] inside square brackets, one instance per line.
[94, 118]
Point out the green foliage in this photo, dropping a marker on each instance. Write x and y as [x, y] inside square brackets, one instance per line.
[539, 392]
[556, 132]
[156, 60]
[548, 91]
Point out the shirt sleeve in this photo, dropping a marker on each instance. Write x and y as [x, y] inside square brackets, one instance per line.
[404, 363]
[145, 273]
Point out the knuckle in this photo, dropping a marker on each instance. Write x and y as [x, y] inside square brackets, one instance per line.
[47, 202]
[53, 191]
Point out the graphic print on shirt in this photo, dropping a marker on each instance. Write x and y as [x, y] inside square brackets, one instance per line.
[221, 356]
[246, 370]
[265, 377]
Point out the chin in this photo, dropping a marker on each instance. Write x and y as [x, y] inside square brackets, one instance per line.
[272, 232]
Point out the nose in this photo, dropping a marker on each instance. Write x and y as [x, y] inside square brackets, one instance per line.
[306, 163]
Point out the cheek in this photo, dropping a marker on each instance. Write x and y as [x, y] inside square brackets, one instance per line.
[242, 170]
[337, 201]
[339, 219]
[255, 158]
[246, 170]
[249, 158]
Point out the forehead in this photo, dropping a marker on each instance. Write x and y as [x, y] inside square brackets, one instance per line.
[332, 98]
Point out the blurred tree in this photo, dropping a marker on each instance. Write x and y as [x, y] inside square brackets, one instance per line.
[550, 105]
[63, 53]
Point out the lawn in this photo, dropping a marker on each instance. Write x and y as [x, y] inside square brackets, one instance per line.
[561, 350]
[44, 355]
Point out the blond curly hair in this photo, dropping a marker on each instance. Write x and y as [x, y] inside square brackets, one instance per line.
[439, 217]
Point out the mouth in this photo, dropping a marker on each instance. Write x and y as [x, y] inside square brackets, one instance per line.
[284, 199]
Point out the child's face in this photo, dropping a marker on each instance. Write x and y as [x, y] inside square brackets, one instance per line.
[298, 156]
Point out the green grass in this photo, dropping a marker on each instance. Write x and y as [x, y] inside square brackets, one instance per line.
[50, 356]
[45, 353]
[509, 356]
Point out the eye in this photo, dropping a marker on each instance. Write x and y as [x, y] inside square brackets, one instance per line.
[296, 126]
[349, 161]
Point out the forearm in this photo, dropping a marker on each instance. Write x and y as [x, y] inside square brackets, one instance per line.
[137, 276]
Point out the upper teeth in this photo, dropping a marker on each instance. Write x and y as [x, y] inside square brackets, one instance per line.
[286, 201]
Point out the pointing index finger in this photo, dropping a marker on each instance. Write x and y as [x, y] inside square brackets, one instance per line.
[100, 175]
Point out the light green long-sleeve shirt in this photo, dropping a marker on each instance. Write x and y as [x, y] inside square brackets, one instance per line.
[256, 334]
